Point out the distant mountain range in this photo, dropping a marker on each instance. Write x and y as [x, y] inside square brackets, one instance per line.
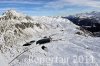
[89, 21]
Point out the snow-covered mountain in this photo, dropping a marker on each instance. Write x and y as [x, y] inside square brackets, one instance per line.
[68, 45]
[92, 14]
[15, 26]
[89, 21]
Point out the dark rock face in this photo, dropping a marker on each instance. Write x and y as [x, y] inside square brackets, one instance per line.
[90, 24]
[43, 41]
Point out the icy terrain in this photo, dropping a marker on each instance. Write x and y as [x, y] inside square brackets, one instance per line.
[67, 48]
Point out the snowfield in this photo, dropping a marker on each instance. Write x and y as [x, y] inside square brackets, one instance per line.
[65, 49]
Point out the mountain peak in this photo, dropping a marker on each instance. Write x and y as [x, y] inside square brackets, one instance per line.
[11, 13]
[94, 12]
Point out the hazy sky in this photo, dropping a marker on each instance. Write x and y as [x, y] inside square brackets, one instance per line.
[50, 7]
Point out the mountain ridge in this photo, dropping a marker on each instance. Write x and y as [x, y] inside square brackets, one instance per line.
[18, 40]
[89, 21]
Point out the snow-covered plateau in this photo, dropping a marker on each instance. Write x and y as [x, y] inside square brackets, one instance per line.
[68, 46]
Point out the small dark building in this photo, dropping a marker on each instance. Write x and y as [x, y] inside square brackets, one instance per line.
[44, 48]
[32, 41]
[43, 41]
[27, 44]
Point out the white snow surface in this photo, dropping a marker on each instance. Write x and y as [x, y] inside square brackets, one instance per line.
[66, 48]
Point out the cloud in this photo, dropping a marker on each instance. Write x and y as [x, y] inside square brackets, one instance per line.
[50, 7]
[22, 2]
[91, 3]
[63, 3]
[56, 4]
[4, 9]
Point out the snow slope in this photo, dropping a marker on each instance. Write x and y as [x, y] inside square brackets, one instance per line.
[66, 45]
[3, 62]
